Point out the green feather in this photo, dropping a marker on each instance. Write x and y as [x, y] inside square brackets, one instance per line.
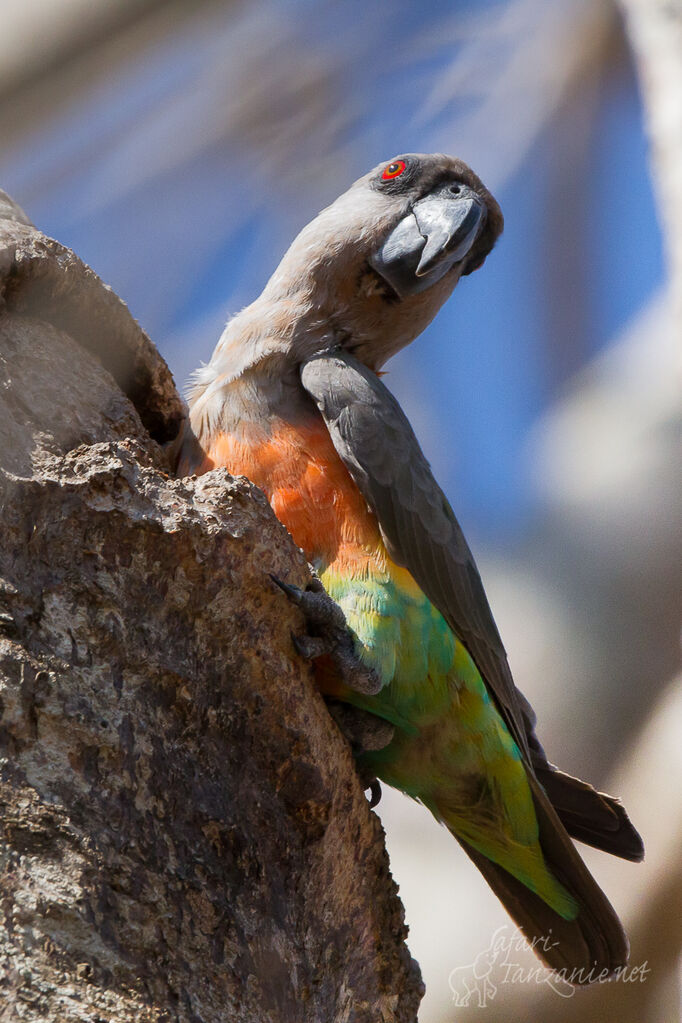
[452, 750]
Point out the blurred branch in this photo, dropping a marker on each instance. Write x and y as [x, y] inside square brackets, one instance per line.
[652, 918]
[606, 463]
[655, 32]
[514, 67]
[49, 52]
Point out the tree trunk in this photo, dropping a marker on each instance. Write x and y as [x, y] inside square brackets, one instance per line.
[184, 836]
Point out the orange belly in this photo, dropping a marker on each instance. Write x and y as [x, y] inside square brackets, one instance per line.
[308, 486]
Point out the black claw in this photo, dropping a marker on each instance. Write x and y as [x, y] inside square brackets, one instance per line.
[375, 793]
[294, 593]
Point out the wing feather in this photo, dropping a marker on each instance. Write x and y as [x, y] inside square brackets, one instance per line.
[378, 446]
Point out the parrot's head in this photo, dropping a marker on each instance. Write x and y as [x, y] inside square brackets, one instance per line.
[376, 266]
[442, 218]
[368, 274]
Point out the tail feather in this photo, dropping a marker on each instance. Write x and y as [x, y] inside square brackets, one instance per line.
[582, 948]
[592, 817]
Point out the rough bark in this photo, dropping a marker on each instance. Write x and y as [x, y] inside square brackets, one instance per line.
[183, 833]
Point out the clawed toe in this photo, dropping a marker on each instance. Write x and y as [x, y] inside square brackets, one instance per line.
[366, 732]
[354, 673]
[294, 593]
[321, 612]
[328, 634]
[310, 647]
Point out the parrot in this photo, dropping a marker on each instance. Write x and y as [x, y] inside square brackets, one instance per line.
[292, 398]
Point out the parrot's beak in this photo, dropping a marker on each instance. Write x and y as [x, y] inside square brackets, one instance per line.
[438, 232]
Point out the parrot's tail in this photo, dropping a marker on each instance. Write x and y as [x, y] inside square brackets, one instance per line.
[591, 816]
[581, 948]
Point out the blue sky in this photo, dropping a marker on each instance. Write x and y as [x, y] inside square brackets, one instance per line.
[187, 238]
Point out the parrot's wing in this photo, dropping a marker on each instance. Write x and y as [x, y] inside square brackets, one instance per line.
[377, 444]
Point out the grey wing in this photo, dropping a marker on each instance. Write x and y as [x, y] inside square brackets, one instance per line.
[377, 444]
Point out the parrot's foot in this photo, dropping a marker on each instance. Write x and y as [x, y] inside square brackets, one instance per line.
[365, 732]
[328, 634]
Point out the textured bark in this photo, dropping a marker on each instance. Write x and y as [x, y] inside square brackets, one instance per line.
[183, 833]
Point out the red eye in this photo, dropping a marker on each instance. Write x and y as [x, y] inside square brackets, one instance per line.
[394, 170]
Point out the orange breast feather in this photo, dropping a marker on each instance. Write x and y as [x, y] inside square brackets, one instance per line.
[308, 486]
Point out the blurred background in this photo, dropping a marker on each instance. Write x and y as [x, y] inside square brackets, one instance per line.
[178, 148]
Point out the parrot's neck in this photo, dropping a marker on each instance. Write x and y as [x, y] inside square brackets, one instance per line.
[252, 377]
[315, 301]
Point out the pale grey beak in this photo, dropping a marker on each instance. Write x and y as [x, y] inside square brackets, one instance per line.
[438, 232]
